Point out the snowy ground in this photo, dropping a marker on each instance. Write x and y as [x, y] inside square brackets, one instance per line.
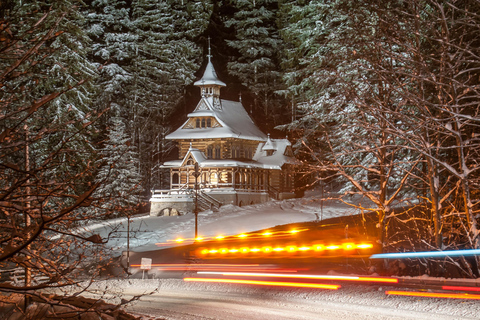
[146, 232]
[175, 299]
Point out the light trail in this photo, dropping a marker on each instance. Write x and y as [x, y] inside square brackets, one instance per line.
[434, 295]
[304, 276]
[460, 288]
[217, 267]
[253, 235]
[426, 254]
[348, 247]
[267, 283]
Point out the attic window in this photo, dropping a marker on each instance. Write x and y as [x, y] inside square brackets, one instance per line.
[190, 162]
[203, 123]
[270, 152]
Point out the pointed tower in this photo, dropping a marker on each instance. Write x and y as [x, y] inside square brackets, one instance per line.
[210, 84]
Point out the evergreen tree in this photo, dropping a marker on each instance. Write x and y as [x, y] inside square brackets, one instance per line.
[257, 67]
[120, 189]
[165, 61]
[46, 163]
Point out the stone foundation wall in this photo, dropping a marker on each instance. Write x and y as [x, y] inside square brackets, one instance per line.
[159, 208]
[164, 206]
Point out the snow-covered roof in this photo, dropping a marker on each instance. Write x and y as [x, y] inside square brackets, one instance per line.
[197, 155]
[260, 159]
[268, 145]
[280, 156]
[209, 77]
[233, 118]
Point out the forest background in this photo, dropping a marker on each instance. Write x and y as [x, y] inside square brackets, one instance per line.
[378, 97]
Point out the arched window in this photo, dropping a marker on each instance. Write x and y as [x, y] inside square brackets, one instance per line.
[213, 178]
[237, 178]
[175, 179]
[209, 123]
[209, 152]
[203, 123]
[229, 177]
[217, 152]
[197, 124]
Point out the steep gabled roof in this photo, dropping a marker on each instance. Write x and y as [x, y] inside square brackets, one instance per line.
[280, 156]
[209, 77]
[195, 154]
[233, 118]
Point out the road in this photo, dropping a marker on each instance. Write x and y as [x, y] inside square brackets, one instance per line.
[179, 300]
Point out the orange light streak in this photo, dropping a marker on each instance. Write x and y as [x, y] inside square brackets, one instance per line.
[303, 276]
[267, 283]
[435, 295]
[316, 247]
[333, 247]
[348, 246]
[364, 246]
[242, 235]
[459, 288]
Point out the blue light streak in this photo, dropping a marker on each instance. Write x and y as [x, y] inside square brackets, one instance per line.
[426, 254]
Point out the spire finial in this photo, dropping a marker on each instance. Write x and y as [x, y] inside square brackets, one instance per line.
[209, 50]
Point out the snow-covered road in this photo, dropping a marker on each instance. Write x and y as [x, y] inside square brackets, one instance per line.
[179, 300]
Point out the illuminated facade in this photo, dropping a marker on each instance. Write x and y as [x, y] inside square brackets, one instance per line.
[224, 154]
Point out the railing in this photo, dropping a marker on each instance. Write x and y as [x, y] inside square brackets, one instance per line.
[170, 194]
[16, 277]
[211, 201]
[273, 192]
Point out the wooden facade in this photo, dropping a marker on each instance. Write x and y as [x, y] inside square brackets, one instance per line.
[222, 153]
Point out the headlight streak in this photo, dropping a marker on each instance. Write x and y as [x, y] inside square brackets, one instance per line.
[426, 254]
[253, 235]
[303, 276]
[267, 283]
[347, 247]
[434, 295]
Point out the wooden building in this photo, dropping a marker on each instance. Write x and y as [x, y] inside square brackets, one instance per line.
[224, 158]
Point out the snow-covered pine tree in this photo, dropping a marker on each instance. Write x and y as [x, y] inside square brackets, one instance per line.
[112, 49]
[120, 189]
[165, 60]
[258, 43]
[46, 171]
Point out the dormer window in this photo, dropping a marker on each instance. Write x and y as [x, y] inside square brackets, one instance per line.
[190, 162]
[203, 123]
[270, 152]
